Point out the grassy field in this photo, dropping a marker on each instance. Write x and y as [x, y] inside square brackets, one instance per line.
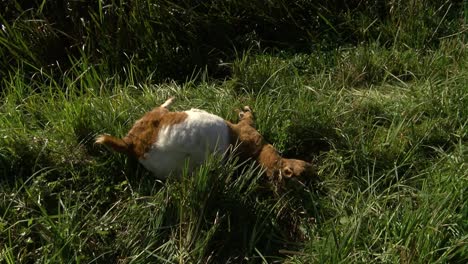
[375, 94]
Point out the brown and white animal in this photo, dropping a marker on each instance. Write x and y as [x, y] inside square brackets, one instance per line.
[165, 141]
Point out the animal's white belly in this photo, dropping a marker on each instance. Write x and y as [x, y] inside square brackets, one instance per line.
[187, 143]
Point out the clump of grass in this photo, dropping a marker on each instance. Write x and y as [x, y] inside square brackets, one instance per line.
[399, 223]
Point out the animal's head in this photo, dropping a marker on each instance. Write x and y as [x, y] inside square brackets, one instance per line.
[292, 168]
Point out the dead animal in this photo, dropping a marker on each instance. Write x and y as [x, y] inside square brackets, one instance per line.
[164, 141]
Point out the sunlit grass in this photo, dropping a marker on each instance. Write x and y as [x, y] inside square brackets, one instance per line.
[385, 124]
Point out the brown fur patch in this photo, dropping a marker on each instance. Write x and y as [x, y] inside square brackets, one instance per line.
[145, 131]
[270, 160]
[249, 141]
[252, 145]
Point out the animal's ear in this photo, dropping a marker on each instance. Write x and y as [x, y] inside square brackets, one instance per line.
[287, 172]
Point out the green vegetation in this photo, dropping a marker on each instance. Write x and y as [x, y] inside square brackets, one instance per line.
[375, 93]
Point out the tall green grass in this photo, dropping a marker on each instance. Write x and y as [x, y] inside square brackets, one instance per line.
[381, 110]
[174, 39]
[391, 159]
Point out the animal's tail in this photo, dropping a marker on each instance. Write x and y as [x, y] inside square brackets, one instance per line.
[168, 102]
[116, 144]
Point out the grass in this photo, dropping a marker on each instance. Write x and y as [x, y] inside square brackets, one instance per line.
[384, 120]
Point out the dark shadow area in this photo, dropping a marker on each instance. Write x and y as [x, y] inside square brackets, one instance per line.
[174, 39]
[307, 140]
